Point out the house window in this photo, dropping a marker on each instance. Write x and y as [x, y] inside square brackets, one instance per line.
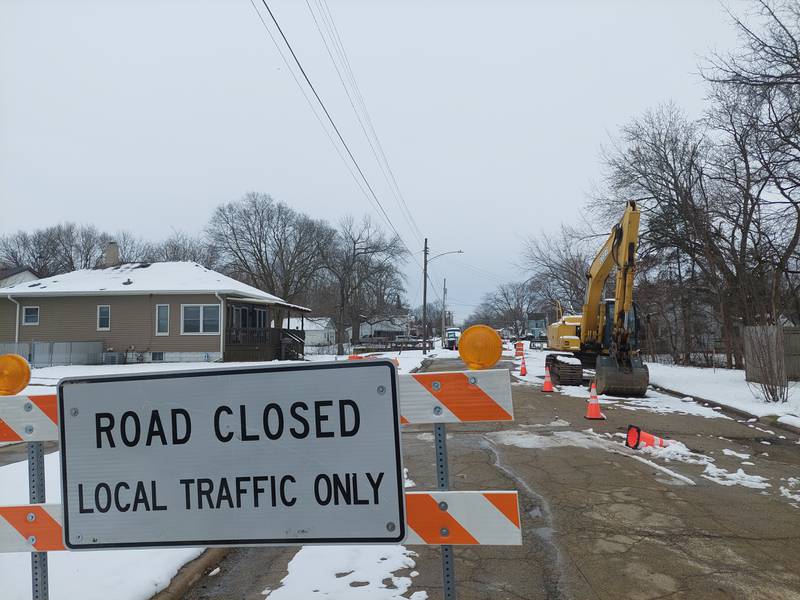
[162, 319]
[199, 319]
[157, 356]
[30, 315]
[261, 318]
[103, 317]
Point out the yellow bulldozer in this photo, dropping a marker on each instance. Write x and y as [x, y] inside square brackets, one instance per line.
[604, 337]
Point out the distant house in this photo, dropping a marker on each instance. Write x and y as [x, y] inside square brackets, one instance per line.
[319, 331]
[13, 276]
[150, 312]
[537, 325]
[385, 329]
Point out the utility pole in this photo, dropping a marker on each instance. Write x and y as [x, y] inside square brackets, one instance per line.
[425, 299]
[444, 309]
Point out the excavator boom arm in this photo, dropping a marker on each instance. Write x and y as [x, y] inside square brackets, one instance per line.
[619, 250]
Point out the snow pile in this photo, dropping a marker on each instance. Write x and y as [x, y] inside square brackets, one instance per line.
[725, 386]
[677, 451]
[99, 575]
[729, 452]
[789, 490]
[347, 573]
[790, 420]
[723, 477]
[407, 481]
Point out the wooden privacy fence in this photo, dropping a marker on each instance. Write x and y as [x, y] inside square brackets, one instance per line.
[770, 351]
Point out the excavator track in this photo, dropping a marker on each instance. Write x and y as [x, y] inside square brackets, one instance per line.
[563, 372]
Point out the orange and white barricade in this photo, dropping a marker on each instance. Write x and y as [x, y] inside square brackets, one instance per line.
[455, 397]
[28, 418]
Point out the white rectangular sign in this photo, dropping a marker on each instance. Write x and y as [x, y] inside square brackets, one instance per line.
[254, 455]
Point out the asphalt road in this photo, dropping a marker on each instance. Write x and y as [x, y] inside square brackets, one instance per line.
[597, 522]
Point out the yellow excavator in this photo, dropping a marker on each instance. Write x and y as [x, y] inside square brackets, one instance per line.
[604, 337]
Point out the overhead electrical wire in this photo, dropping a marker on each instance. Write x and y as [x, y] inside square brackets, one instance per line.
[354, 95]
[371, 195]
[331, 121]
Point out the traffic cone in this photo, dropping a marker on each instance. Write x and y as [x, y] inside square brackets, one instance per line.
[548, 384]
[637, 438]
[593, 409]
[523, 370]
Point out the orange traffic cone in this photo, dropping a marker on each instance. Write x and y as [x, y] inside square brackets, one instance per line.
[593, 409]
[637, 438]
[523, 370]
[548, 384]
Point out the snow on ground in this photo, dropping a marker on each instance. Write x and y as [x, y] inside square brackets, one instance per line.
[662, 403]
[725, 386]
[654, 401]
[724, 477]
[100, 575]
[790, 420]
[347, 573]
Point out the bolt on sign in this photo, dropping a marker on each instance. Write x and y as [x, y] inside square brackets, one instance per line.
[257, 455]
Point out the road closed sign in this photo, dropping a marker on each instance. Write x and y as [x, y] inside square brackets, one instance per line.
[258, 455]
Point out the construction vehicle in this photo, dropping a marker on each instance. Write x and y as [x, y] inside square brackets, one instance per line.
[604, 337]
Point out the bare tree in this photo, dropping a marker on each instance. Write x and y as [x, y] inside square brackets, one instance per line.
[356, 253]
[269, 244]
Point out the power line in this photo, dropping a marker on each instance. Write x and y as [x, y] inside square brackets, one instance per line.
[332, 122]
[338, 48]
[372, 196]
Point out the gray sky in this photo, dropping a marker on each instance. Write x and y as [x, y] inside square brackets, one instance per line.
[146, 115]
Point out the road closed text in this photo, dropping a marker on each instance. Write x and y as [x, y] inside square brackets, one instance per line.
[230, 424]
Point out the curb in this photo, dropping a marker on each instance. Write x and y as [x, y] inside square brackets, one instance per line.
[190, 573]
[772, 420]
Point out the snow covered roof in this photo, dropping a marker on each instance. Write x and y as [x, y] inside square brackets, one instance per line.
[142, 278]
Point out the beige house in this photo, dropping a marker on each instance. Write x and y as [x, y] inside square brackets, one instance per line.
[150, 312]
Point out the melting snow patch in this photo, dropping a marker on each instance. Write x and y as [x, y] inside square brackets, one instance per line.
[558, 439]
[407, 481]
[729, 452]
[678, 451]
[724, 477]
[347, 573]
[663, 404]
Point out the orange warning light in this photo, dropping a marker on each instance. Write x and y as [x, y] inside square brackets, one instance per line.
[15, 373]
[480, 347]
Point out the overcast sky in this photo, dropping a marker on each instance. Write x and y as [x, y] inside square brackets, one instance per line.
[146, 115]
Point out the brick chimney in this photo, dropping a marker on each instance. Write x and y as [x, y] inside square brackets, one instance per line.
[111, 254]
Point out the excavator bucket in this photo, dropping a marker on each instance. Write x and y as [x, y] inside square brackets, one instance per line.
[615, 380]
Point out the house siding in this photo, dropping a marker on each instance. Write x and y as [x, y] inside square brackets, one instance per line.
[74, 319]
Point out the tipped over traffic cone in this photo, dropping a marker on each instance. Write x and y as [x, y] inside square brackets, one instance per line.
[523, 370]
[593, 410]
[548, 383]
[637, 438]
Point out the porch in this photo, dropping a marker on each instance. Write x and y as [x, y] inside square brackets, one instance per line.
[249, 335]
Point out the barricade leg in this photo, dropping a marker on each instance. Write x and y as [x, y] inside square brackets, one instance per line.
[443, 483]
[39, 585]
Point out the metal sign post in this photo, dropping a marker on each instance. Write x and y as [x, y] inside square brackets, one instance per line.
[443, 483]
[39, 587]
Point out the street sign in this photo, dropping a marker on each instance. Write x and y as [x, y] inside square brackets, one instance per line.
[256, 455]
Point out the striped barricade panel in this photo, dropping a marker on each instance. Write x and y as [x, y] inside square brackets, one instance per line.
[432, 518]
[31, 528]
[449, 397]
[28, 418]
[455, 397]
[463, 518]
